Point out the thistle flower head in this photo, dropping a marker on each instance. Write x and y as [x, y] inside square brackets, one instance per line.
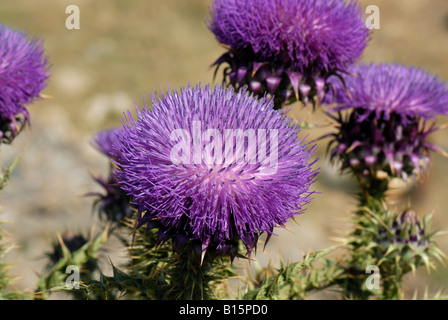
[23, 75]
[112, 204]
[288, 47]
[213, 166]
[68, 241]
[405, 238]
[386, 127]
[104, 142]
[404, 229]
[386, 89]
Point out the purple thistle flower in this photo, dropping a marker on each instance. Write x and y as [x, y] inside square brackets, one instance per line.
[288, 48]
[384, 89]
[386, 126]
[104, 142]
[114, 203]
[213, 203]
[23, 75]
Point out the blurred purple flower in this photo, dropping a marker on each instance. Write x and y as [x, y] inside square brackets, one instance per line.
[70, 241]
[113, 204]
[213, 204]
[104, 142]
[23, 75]
[288, 48]
[389, 107]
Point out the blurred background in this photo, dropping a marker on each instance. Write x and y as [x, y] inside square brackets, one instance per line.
[127, 49]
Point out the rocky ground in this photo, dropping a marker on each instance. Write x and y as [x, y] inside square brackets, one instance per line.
[122, 51]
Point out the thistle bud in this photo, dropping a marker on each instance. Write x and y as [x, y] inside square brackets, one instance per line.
[383, 123]
[113, 204]
[405, 239]
[23, 75]
[68, 241]
[369, 146]
[287, 49]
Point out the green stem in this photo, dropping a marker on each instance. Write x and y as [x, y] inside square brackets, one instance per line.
[392, 288]
[372, 196]
[372, 191]
[192, 279]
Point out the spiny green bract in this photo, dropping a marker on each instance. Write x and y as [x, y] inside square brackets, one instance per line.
[405, 240]
[155, 271]
[7, 291]
[178, 275]
[395, 243]
[71, 251]
[400, 239]
[297, 280]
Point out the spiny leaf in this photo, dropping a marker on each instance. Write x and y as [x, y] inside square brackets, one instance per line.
[288, 282]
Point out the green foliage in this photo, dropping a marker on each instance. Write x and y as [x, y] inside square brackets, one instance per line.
[192, 279]
[6, 174]
[395, 243]
[117, 286]
[84, 257]
[178, 276]
[154, 272]
[7, 291]
[297, 280]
